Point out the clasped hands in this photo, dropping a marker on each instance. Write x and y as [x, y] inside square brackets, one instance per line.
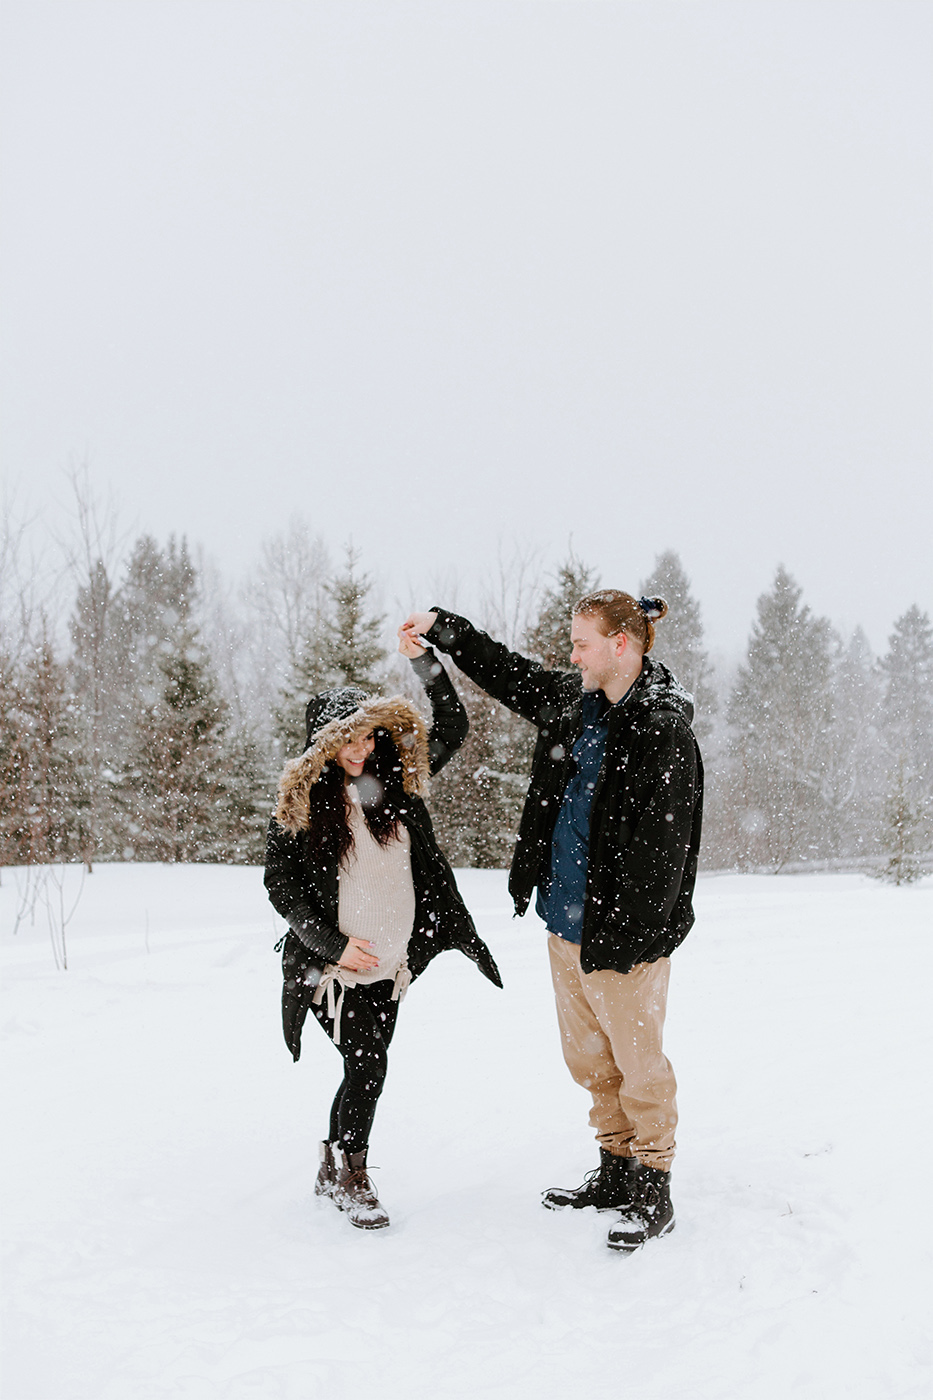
[414, 626]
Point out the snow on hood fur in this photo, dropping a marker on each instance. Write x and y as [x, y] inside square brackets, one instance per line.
[396, 715]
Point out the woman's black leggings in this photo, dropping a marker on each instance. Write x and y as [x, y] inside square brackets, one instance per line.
[366, 1025]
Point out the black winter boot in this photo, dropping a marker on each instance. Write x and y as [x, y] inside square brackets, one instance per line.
[611, 1186]
[355, 1196]
[327, 1173]
[649, 1216]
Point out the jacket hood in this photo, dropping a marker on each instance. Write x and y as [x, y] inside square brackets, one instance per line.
[336, 718]
[657, 688]
[322, 709]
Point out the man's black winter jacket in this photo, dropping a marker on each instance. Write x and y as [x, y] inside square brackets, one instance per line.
[647, 807]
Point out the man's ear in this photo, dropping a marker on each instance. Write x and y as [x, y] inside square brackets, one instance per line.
[621, 640]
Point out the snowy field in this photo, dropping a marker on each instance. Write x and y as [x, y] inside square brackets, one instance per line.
[162, 1239]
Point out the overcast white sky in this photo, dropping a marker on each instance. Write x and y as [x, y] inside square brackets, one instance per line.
[439, 275]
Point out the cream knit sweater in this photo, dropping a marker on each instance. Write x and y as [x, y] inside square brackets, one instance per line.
[376, 896]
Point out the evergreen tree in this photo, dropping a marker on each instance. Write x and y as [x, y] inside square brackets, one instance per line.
[907, 669]
[43, 799]
[901, 827]
[907, 717]
[781, 713]
[14, 766]
[678, 639]
[345, 649]
[356, 654]
[155, 599]
[120, 638]
[548, 641]
[185, 797]
[100, 721]
[247, 804]
[312, 672]
[477, 798]
[854, 772]
[188, 788]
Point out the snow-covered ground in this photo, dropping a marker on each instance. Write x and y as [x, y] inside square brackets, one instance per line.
[162, 1239]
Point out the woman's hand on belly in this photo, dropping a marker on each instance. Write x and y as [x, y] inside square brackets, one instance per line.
[358, 956]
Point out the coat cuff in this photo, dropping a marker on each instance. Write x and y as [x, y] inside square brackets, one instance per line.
[317, 936]
[427, 667]
[444, 632]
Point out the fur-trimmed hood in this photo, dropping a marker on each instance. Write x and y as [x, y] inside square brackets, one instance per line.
[354, 714]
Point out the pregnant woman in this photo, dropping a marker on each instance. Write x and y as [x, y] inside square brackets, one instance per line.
[353, 867]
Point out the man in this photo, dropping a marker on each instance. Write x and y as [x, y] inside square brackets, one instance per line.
[609, 835]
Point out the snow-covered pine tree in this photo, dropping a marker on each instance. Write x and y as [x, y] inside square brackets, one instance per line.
[310, 673]
[476, 800]
[907, 717]
[854, 770]
[247, 804]
[344, 648]
[182, 798]
[678, 639]
[548, 639]
[44, 800]
[901, 831]
[188, 787]
[907, 714]
[92, 550]
[907, 667]
[355, 650]
[155, 598]
[119, 638]
[14, 765]
[780, 711]
[98, 691]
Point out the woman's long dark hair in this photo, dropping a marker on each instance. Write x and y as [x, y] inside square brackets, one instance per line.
[380, 790]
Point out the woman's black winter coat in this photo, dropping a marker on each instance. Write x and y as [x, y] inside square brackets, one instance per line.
[647, 807]
[305, 892]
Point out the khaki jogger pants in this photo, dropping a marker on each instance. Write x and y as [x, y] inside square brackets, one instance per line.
[611, 1026]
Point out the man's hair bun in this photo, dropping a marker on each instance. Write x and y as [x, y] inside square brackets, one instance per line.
[653, 608]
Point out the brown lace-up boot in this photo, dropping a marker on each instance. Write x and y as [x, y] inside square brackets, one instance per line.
[355, 1196]
[327, 1173]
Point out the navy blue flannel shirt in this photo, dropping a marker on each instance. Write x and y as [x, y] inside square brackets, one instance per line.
[561, 896]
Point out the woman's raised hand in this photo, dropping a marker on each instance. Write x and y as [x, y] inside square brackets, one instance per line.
[408, 643]
[358, 957]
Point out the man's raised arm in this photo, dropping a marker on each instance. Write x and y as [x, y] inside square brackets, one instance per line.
[520, 684]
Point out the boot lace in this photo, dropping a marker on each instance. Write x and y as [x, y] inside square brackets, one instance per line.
[359, 1184]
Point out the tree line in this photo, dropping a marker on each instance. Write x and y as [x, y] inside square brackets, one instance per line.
[156, 728]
